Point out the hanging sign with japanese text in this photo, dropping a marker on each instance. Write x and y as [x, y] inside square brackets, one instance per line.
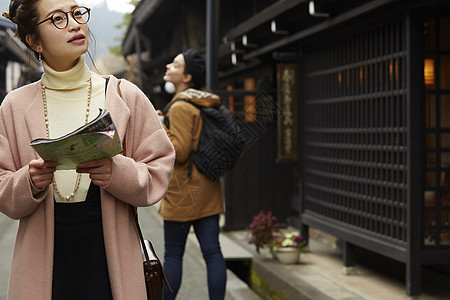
[287, 119]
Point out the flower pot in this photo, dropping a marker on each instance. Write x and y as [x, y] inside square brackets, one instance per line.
[287, 255]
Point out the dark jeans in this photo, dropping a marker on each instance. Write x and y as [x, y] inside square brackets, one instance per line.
[79, 270]
[207, 232]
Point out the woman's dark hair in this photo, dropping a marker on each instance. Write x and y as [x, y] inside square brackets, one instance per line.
[25, 14]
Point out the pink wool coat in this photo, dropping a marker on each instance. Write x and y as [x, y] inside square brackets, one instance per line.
[139, 178]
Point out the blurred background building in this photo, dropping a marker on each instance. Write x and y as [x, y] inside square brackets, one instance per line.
[17, 66]
[359, 146]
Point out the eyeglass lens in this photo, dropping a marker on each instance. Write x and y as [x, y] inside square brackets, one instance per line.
[80, 15]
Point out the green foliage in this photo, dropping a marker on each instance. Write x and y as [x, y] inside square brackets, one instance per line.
[126, 21]
[116, 49]
[125, 24]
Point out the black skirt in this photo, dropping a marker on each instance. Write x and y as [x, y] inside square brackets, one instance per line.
[80, 271]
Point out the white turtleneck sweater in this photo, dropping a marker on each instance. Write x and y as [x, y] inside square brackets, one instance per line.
[67, 98]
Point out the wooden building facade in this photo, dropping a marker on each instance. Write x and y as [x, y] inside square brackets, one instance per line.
[17, 66]
[347, 109]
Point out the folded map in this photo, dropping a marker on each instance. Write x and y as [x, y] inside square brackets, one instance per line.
[96, 140]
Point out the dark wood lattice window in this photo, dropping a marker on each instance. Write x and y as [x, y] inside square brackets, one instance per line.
[437, 131]
[356, 132]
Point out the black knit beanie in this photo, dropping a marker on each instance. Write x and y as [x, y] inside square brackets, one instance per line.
[195, 65]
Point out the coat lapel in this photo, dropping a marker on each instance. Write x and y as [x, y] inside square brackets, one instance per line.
[34, 115]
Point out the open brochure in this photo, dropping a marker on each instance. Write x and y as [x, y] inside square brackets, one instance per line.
[95, 140]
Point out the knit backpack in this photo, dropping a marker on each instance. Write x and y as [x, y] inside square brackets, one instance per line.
[221, 141]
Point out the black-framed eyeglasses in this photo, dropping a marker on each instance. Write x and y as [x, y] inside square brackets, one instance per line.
[60, 18]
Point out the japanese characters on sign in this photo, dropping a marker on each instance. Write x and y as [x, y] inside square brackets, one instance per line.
[287, 102]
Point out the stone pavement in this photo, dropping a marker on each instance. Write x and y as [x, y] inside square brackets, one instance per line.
[8, 230]
[194, 274]
[317, 276]
[194, 269]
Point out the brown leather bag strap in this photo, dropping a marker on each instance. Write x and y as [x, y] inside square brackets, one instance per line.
[136, 219]
[144, 248]
[118, 88]
[141, 237]
[120, 94]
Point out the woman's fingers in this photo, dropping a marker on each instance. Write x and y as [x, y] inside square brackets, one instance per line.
[99, 171]
[41, 172]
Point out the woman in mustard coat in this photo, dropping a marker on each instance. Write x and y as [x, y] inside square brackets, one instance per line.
[192, 198]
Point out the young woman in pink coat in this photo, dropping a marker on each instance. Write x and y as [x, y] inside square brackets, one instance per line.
[77, 238]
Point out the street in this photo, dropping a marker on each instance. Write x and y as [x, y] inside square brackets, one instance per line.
[194, 269]
[8, 229]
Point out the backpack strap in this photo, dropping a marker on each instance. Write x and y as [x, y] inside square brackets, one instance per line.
[167, 123]
[120, 94]
[118, 86]
[166, 110]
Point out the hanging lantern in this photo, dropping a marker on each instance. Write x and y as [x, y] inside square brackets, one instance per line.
[428, 72]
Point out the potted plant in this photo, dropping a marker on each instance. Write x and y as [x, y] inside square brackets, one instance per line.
[289, 246]
[263, 230]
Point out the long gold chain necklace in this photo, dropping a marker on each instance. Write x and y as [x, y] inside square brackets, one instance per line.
[77, 182]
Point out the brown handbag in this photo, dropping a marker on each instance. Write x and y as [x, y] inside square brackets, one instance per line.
[153, 270]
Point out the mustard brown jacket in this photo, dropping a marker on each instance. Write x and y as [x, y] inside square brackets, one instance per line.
[140, 178]
[195, 197]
